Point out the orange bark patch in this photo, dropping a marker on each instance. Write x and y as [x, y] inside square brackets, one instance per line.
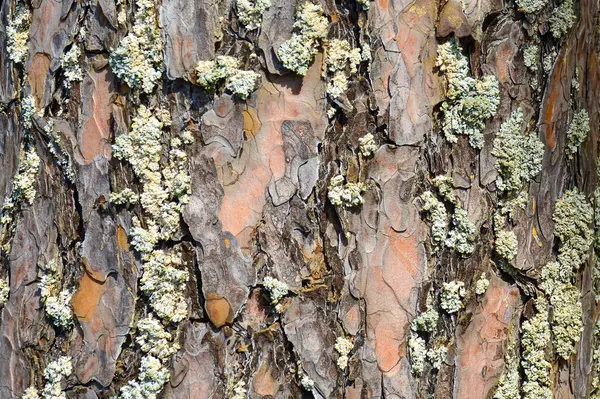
[218, 310]
[262, 158]
[37, 76]
[479, 360]
[251, 123]
[87, 297]
[97, 131]
[122, 238]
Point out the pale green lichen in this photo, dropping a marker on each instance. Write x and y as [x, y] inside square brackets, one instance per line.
[297, 53]
[451, 296]
[509, 382]
[17, 34]
[124, 197]
[578, 131]
[367, 145]
[4, 290]
[225, 70]
[567, 324]
[340, 57]
[54, 374]
[573, 215]
[482, 285]
[531, 6]
[240, 391]
[506, 245]
[31, 393]
[28, 109]
[277, 289]
[426, 321]
[71, 66]
[462, 236]
[535, 341]
[250, 12]
[437, 356]
[58, 149]
[445, 187]
[348, 195]
[152, 377]
[470, 102]
[438, 216]
[418, 353]
[164, 283]
[165, 187]
[138, 59]
[158, 346]
[548, 61]
[562, 19]
[24, 181]
[57, 301]
[518, 156]
[343, 346]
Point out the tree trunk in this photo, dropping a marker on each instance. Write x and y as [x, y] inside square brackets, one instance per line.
[176, 227]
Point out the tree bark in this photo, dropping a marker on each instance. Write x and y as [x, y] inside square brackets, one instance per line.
[259, 205]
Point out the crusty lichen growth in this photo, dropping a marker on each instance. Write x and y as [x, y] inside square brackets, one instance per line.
[506, 245]
[225, 69]
[124, 197]
[164, 282]
[367, 145]
[166, 187]
[58, 149]
[418, 354]
[4, 290]
[250, 12]
[158, 345]
[57, 301]
[482, 284]
[347, 195]
[343, 346]
[17, 34]
[276, 289]
[572, 217]
[421, 330]
[470, 102]
[138, 59]
[509, 383]
[578, 131]
[531, 6]
[342, 61]
[562, 19]
[438, 216]
[518, 156]
[54, 374]
[297, 53]
[462, 236]
[24, 182]
[534, 341]
[445, 187]
[28, 109]
[71, 66]
[31, 393]
[451, 296]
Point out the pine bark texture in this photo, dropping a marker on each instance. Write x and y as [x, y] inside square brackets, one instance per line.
[260, 170]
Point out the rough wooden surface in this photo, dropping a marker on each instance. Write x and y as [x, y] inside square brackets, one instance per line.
[260, 170]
